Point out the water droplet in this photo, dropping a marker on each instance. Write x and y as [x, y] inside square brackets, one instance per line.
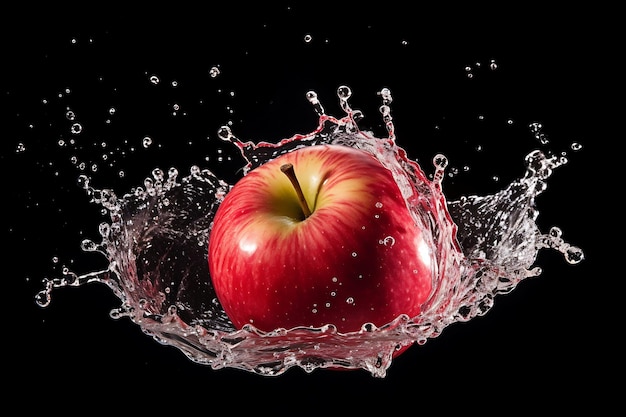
[385, 94]
[89, 245]
[576, 146]
[493, 65]
[344, 92]
[574, 255]
[308, 38]
[354, 254]
[76, 128]
[440, 161]
[225, 133]
[154, 79]
[555, 232]
[214, 72]
[350, 300]
[147, 141]
[317, 106]
[378, 204]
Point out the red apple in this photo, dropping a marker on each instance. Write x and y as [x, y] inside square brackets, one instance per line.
[346, 251]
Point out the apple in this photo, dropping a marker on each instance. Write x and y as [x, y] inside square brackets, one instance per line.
[320, 235]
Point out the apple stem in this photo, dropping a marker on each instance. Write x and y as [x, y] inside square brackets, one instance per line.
[288, 170]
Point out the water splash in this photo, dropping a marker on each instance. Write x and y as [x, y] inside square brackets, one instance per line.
[157, 237]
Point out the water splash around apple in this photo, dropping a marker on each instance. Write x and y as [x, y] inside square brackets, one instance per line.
[155, 244]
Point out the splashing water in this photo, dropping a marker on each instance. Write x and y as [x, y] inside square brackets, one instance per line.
[156, 246]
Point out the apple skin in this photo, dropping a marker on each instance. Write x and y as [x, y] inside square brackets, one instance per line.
[358, 258]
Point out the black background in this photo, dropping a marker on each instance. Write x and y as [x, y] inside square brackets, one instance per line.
[546, 343]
